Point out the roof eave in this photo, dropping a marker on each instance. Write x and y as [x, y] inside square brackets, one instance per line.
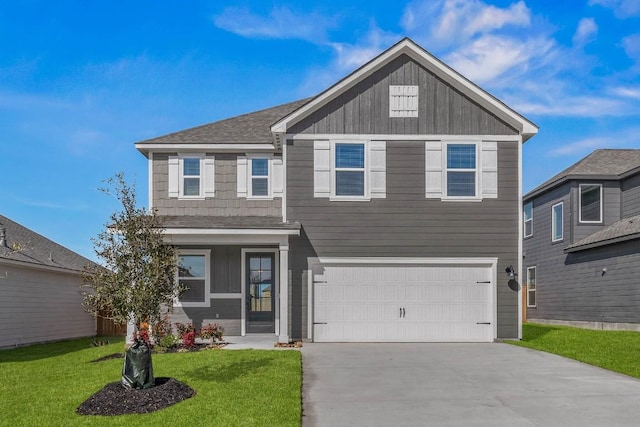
[602, 243]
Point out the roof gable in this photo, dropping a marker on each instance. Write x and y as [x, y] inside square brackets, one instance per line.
[612, 164]
[27, 246]
[428, 61]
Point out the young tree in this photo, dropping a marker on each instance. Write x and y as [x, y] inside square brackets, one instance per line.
[138, 278]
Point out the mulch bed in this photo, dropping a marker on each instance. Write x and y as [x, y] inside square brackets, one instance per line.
[115, 399]
[295, 344]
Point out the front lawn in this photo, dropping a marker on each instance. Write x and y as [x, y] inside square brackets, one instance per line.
[617, 351]
[44, 384]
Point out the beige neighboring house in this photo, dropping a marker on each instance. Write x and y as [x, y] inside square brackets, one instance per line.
[40, 295]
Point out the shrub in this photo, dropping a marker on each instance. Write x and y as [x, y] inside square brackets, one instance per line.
[189, 339]
[183, 328]
[162, 328]
[212, 331]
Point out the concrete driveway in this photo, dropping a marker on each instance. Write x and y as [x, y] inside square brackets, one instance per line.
[459, 385]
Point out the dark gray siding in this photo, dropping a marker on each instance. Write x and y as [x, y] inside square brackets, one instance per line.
[571, 287]
[225, 312]
[405, 224]
[364, 109]
[225, 203]
[631, 196]
[610, 209]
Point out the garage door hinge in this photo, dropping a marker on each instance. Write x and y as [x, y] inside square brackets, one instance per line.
[319, 323]
[483, 323]
[486, 281]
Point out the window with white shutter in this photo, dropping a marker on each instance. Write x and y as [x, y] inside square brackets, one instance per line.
[260, 176]
[191, 176]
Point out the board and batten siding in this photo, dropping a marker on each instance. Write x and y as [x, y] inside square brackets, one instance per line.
[39, 306]
[226, 201]
[405, 223]
[364, 109]
[631, 196]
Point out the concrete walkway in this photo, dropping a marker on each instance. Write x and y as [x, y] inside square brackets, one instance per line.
[459, 385]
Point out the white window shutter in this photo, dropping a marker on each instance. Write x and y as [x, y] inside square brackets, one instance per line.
[209, 177]
[242, 176]
[321, 169]
[489, 172]
[378, 169]
[433, 169]
[174, 176]
[277, 177]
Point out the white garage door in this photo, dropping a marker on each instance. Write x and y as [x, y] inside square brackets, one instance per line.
[393, 303]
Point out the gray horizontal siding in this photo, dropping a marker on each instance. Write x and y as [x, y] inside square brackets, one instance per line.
[39, 306]
[225, 203]
[405, 224]
[573, 288]
[225, 312]
[611, 199]
[631, 196]
[364, 109]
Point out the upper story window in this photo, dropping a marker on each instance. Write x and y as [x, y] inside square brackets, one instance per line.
[403, 101]
[557, 232]
[193, 274]
[353, 170]
[349, 170]
[259, 177]
[590, 203]
[191, 180]
[528, 219]
[191, 176]
[461, 170]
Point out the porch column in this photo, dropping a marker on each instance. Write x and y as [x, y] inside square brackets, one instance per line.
[284, 293]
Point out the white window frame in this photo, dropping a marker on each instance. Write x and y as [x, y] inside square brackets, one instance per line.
[250, 176]
[403, 101]
[553, 222]
[445, 172]
[182, 176]
[534, 290]
[366, 196]
[580, 220]
[525, 219]
[207, 279]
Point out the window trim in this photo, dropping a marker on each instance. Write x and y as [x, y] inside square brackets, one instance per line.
[207, 279]
[250, 177]
[445, 172]
[553, 222]
[525, 220]
[181, 176]
[366, 196]
[580, 220]
[534, 290]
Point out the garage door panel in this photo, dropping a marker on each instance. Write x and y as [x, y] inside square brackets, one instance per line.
[403, 303]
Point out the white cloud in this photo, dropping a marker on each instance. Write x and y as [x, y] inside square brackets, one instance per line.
[586, 32]
[280, 23]
[351, 56]
[489, 57]
[631, 45]
[627, 91]
[621, 8]
[581, 146]
[447, 23]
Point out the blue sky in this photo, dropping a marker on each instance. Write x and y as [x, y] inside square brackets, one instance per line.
[82, 81]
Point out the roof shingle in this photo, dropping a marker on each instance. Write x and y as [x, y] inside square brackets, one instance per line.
[625, 229]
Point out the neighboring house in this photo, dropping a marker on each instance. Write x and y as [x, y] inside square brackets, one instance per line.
[582, 243]
[386, 208]
[40, 295]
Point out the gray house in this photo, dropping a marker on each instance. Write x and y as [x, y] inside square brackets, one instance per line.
[40, 296]
[386, 208]
[582, 244]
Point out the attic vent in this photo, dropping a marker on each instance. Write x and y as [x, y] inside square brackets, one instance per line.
[403, 101]
[3, 236]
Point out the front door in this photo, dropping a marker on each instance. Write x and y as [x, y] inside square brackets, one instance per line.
[260, 292]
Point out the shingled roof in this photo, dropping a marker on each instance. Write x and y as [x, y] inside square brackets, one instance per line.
[601, 164]
[25, 245]
[251, 128]
[619, 231]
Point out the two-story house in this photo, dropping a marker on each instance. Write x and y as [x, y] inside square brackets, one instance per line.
[386, 208]
[581, 243]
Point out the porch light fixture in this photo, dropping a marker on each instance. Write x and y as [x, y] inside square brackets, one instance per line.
[510, 271]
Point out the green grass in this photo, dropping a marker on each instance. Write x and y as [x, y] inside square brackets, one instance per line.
[43, 385]
[617, 351]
